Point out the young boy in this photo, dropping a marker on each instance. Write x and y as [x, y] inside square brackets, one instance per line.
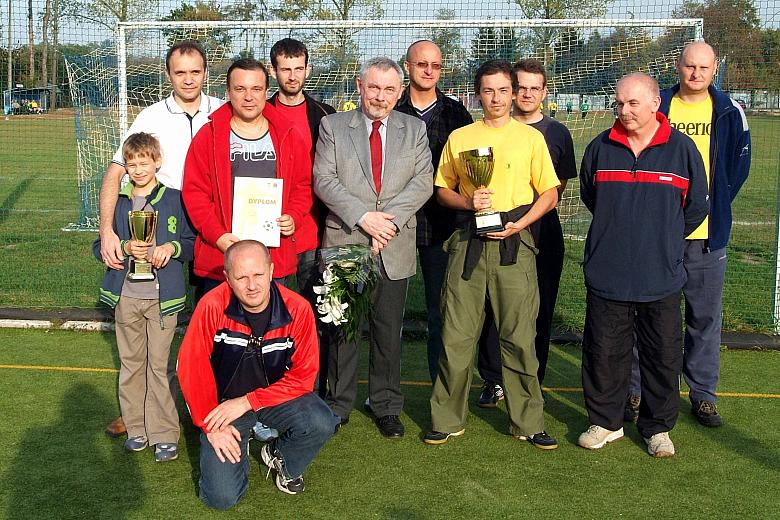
[146, 309]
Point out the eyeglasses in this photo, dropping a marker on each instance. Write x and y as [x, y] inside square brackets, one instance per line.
[534, 91]
[423, 65]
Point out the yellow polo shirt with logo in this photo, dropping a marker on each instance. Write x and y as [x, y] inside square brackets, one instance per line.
[695, 121]
[521, 163]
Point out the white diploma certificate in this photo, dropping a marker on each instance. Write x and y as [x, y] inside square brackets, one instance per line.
[257, 203]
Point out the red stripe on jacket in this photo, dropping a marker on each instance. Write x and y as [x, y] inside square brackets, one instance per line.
[196, 376]
[641, 176]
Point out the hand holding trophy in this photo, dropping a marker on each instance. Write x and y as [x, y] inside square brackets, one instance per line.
[479, 167]
[143, 228]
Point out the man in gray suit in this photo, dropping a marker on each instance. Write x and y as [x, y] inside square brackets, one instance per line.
[373, 171]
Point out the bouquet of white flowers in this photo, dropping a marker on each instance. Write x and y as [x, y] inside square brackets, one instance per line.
[348, 280]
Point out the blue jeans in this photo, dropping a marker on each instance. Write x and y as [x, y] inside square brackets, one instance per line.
[305, 424]
[433, 264]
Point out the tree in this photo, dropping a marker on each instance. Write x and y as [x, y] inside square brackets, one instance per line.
[449, 41]
[246, 10]
[108, 12]
[545, 37]
[31, 42]
[494, 43]
[214, 41]
[732, 27]
[337, 45]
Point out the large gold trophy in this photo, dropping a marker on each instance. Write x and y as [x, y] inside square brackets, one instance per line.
[143, 227]
[479, 167]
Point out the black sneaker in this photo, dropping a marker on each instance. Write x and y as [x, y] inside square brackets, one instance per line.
[490, 395]
[706, 413]
[434, 437]
[541, 440]
[631, 411]
[272, 459]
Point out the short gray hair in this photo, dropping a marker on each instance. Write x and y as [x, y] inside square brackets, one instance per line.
[382, 63]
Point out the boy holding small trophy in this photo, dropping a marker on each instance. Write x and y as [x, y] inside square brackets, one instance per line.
[147, 293]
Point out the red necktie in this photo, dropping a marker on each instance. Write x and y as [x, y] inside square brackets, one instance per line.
[375, 143]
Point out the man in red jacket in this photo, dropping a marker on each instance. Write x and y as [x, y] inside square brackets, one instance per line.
[246, 138]
[250, 354]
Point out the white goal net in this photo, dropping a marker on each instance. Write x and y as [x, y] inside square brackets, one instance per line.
[584, 59]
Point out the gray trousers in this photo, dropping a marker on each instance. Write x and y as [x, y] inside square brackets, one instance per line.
[384, 362]
[144, 343]
[703, 319]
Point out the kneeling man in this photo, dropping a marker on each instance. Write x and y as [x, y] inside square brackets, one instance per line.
[250, 354]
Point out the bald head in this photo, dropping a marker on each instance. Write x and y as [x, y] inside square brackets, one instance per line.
[641, 80]
[421, 46]
[245, 248]
[423, 65]
[699, 49]
[638, 99]
[696, 69]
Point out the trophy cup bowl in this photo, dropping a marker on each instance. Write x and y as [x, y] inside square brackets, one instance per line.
[143, 227]
[479, 168]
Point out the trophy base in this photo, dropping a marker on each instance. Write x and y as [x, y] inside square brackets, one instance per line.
[488, 222]
[141, 271]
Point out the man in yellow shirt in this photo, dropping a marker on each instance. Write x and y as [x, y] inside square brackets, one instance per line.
[718, 126]
[499, 265]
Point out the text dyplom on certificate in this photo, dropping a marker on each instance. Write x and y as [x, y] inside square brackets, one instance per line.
[257, 203]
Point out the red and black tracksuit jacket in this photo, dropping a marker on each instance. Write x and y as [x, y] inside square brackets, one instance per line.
[643, 208]
[218, 336]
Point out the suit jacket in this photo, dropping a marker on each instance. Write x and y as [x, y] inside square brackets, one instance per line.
[344, 182]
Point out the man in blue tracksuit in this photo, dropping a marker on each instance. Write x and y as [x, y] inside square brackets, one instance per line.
[644, 182]
[719, 128]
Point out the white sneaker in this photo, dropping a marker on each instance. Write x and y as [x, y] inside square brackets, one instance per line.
[660, 445]
[596, 437]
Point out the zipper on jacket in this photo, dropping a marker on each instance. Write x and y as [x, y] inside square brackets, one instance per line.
[713, 160]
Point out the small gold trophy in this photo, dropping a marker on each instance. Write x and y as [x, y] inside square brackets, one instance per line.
[143, 227]
[479, 166]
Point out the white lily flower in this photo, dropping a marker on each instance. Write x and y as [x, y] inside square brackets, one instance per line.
[321, 289]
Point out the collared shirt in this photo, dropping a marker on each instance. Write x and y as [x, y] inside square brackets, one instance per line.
[435, 223]
[382, 133]
[174, 128]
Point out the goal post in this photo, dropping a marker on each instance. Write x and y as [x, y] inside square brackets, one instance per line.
[584, 58]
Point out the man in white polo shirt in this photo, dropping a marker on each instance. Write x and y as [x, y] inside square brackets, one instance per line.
[174, 121]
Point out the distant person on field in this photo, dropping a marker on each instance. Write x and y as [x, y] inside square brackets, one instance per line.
[718, 126]
[173, 121]
[146, 310]
[552, 106]
[584, 108]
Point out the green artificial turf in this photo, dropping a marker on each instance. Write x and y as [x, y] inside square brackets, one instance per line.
[57, 463]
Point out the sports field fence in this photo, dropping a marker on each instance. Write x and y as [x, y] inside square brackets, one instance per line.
[81, 69]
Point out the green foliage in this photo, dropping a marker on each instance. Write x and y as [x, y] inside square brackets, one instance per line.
[346, 295]
[213, 40]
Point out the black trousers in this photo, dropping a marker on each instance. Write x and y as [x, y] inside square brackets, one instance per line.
[384, 363]
[549, 266]
[606, 360]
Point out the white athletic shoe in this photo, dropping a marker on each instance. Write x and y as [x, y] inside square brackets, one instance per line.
[596, 437]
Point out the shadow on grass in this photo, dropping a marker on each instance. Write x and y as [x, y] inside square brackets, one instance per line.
[10, 201]
[735, 439]
[66, 466]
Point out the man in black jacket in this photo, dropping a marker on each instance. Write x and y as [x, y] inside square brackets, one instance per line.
[435, 223]
[290, 68]
[645, 184]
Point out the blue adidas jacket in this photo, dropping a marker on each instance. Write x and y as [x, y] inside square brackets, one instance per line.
[643, 207]
[730, 149]
[173, 227]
